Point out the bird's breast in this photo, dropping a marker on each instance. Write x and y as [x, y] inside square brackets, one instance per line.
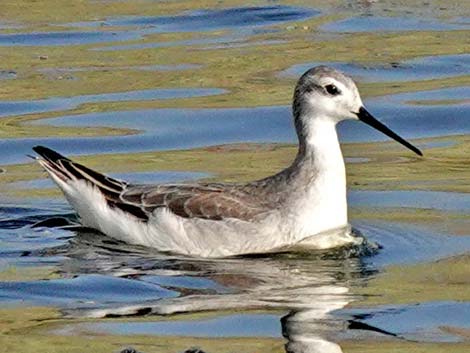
[320, 205]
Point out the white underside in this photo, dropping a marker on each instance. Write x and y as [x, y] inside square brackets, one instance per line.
[168, 232]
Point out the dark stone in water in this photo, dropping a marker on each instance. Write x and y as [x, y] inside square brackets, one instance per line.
[7, 74]
[129, 350]
[194, 350]
[190, 350]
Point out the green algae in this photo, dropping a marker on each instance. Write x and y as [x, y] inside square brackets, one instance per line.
[26, 273]
[31, 329]
[400, 346]
[443, 280]
[389, 165]
[239, 70]
[250, 75]
[37, 13]
[451, 223]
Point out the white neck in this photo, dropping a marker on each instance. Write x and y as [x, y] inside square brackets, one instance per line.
[322, 146]
[323, 201]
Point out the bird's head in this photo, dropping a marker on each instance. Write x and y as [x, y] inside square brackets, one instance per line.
[323, 93]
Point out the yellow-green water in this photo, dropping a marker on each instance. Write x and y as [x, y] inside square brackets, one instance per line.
[140, 95]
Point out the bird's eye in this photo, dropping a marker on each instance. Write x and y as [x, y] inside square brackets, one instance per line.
[332, 89]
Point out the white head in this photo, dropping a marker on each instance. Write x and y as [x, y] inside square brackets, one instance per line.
[327, 95]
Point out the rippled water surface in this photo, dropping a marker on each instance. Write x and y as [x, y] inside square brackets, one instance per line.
[153, 92]
[426, 68]
[366, 23]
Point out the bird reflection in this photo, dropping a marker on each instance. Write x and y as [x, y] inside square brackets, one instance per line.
[308, 286]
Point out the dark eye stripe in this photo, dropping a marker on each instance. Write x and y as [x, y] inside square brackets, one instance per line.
[332, 89]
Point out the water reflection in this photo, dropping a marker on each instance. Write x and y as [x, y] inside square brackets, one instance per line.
[307, 286]
[100, 277]
[296, 296]
[427, 322]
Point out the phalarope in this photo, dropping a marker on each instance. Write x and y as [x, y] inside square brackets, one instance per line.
[303, 204]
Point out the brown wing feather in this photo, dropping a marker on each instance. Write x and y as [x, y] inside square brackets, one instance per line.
[210, 201]
[207, 201]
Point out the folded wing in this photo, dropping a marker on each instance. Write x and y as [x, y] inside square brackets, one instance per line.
[206, 201]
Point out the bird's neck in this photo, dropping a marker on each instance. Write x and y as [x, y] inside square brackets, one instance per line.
[318, 178]
[319, 150]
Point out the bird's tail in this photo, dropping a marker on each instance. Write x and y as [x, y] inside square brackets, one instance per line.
[63, 169]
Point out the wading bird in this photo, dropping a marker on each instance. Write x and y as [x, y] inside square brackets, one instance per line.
[302, 205]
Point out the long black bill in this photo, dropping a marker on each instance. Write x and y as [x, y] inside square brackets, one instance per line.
[364, 116]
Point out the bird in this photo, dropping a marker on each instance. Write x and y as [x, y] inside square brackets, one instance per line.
[302, 205]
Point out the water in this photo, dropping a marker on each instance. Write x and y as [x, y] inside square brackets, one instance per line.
[67, 103]
[404, 244]
[231, 38]
[242, 22]
[426, 68]
[425, 322]
[226, 326]
[367, 23]
[186, 128]
[105, 278]
[7, 75]
[407, 290]
[136, 178]
[62, 38]
[248, 18]
[58, 71]
[70, 292]
[206, 20]
[445, 201]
